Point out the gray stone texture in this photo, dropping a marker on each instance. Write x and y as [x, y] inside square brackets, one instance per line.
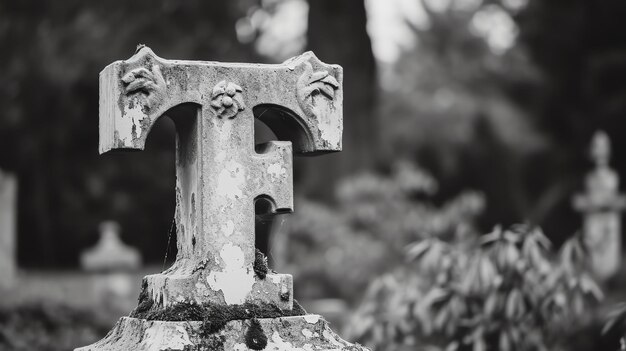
[220, 174]
[302, 333]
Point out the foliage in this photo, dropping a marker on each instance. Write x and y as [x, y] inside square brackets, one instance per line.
[47, 327]
[617, 320]
[582, 89]
[334, 252]
[504, 291]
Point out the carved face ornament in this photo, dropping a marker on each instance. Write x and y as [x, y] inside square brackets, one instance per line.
[312, 83]
[227, 99]
[150, 83]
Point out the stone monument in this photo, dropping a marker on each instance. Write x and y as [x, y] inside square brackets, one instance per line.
[219, 294]
[8, 205]
[601, 205]
[112, 263]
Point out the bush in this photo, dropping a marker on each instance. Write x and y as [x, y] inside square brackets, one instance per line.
[47, 327]
[335, 252]
[502, 291]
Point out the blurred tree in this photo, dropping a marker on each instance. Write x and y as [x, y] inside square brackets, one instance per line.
[337, 34]
[580, 48]
[51, 55]
[449, 105]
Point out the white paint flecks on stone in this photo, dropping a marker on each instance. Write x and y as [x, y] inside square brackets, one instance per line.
[236, 280]
[228, 228]
[160, 337]
[276, 170]
[312, 318]
[231, 181]
[307, 333]
[131, 121]
[156, 289]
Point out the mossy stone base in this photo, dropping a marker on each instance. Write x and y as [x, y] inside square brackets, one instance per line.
[302, 333]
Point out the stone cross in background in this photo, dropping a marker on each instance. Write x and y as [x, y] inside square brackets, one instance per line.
[220, 173]
[8, 213]
[112, 263]
[110, 253]
[601, 205]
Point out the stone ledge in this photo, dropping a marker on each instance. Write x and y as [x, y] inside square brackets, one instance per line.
[168, 289]
[301, 333]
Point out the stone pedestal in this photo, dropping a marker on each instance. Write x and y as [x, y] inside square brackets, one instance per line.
[301, 333]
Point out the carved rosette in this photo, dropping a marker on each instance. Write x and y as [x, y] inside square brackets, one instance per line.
[148, 85]
[227, 100]
[311, 84]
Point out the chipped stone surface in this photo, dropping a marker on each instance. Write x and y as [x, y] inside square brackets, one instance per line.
[601, 205]
[283, 334]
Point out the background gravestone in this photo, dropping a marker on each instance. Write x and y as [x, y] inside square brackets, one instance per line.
[110, 253]
[112, 264]
[601, 205]
[8, 259]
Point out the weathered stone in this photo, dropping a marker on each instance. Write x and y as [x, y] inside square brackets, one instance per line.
[220, 174]
[301, 333]
[110, 253]
[601, 206]
[8, 259]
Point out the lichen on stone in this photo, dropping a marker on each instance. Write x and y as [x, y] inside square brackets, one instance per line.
[260, 264]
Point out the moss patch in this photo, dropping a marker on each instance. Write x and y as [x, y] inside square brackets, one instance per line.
[255, 337]
[213, 317]
[214, 342]
[260, 264]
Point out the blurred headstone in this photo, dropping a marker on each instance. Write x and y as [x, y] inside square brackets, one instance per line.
[112, 262]
[601, 205]
[219, 176]
[8, 209]
[110, 253]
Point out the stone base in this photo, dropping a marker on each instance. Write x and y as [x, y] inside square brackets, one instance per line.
[302, 333]
[167, 289]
